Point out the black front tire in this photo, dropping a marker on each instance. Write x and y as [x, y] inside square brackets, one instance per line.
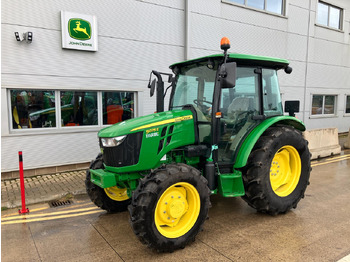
[98, 195]
[261, 171]
[149, 196]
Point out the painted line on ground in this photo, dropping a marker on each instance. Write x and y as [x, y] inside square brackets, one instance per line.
[50, 218]
[25, 216]
[32, 210]
[331, 161]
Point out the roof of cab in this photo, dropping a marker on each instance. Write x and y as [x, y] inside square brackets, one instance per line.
[241, 59]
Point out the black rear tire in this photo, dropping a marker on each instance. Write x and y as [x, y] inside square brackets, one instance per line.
[260, 173]
[98, 195]
[150, 201]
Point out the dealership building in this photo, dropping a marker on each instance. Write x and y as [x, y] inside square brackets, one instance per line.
[70, 68]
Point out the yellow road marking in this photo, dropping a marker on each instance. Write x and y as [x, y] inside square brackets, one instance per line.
[50, 218]
[47, 214]
[331, 161]
[31, 210]
[337, 157]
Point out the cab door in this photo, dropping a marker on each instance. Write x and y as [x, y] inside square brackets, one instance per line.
[238, 106]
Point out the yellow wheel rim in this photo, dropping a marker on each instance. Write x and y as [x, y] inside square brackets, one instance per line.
[285, 171]
[116, 193]
[177, 210]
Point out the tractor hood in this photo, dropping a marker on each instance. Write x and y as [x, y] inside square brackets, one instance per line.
[146, 122]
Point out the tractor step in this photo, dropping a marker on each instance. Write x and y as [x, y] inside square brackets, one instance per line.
[231, 184]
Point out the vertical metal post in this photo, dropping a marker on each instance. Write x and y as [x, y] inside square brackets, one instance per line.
[187, 29]
[21, 178]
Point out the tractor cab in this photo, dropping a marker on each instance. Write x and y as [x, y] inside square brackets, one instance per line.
[229, 95]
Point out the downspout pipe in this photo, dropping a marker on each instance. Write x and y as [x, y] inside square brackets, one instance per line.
[187, 29]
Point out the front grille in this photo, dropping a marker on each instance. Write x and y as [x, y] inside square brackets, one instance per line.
[126, 154]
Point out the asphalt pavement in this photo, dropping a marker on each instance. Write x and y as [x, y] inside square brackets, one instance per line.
[317, 230]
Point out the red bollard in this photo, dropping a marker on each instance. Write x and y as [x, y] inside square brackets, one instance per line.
[21, 178]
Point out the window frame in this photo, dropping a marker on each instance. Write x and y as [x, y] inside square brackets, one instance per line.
[323, 115]
[283, 14]
[341, 16]
[58, 128]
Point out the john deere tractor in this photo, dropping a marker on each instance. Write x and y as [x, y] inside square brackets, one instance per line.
[225, 133]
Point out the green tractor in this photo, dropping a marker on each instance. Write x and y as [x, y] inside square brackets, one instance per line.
[225, 133]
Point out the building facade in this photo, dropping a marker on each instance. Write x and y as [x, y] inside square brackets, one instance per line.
[75, 67]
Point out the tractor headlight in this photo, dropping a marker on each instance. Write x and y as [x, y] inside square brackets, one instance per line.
[112, 141]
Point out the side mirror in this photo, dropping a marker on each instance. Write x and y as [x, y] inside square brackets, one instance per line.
[227, 75]
[152, 86]
[292, 107]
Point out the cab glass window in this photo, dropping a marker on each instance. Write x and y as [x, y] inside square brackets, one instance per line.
[271, 94]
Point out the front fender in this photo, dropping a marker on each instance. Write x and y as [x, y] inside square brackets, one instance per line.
[248, 144]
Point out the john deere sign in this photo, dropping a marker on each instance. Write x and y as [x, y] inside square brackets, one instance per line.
[79, 31]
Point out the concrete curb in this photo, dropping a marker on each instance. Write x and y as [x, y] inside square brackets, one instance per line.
[323, 142]
[347, 142]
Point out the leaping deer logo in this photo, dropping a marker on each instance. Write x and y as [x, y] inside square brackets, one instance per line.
[79, 29]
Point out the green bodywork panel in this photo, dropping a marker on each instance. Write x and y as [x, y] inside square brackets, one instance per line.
[254, 135]
[162, 132]
[102, 178]
[158, 138]
[105, 179]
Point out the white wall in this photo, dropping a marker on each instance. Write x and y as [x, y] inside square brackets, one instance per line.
[137, 36]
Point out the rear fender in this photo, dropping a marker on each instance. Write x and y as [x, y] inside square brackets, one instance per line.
[249, 143]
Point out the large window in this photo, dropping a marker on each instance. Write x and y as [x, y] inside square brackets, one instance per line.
[72, 108]
[273, 6]
[323, 104]
[78, 108]
[33, 109]
[329, 15]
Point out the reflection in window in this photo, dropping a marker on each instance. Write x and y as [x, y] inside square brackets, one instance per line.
[242, 2]
[347, 106]
[78, 108]
[258, 4]
[334, 17]
[329, 103]
[322, 14]
[33, 109]
[117, 107]
[317, 105]
[329, 15]
[323, 105]
[274, 6]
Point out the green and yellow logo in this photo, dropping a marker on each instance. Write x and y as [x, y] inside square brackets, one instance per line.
[79, 29]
